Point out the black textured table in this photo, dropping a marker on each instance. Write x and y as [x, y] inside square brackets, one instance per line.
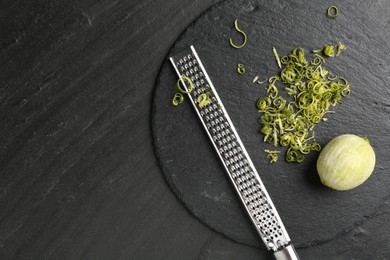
[79, 176]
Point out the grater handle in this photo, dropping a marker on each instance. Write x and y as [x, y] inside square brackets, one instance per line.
[286, 253]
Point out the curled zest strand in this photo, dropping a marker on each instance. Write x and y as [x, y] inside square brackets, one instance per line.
[203, 99]
[184, 79]
[178, 98]
[333, 11]
[293, 156]
[263, 104]
[318, 60]
[240, 31]
[241, 69]
[273, 90]
[257, 80]
[273, 155]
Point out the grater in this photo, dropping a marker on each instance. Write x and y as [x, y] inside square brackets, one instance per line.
[233, 155]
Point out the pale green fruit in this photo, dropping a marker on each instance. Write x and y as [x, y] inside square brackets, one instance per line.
[346, 162]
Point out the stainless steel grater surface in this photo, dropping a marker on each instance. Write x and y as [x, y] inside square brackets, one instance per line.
[233, 155]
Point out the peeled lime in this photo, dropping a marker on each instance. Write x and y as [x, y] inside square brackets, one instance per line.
[346, 162]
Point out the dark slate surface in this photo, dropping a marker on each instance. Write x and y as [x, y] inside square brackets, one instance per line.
[79, 177]
[78, 173]
[313, 214]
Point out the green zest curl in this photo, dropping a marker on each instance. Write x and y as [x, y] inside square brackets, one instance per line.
[263, 104]
[185, 79]
[257, 80]
[333, 11]
[273, 155]
[241, 69]
[240, 31]
[293, 156]
[204, 99]
[177, 99]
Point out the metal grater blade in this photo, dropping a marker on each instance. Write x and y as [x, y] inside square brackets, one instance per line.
[233, 155]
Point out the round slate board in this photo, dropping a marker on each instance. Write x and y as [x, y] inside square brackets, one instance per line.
[312, 213]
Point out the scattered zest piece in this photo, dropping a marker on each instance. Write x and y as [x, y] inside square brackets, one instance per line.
[241, 69]
[341, 47]
[273, 155]
[277, 57]
[257, 80]
[204, 99]
[185, 79]
[318, 50]
[178, 98]
[329, 51]
[293, 156]
[333, 11]
[240, 31]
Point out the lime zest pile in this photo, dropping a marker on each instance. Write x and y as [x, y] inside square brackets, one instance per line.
[333, 11]
[243, 34]
[313, 89]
